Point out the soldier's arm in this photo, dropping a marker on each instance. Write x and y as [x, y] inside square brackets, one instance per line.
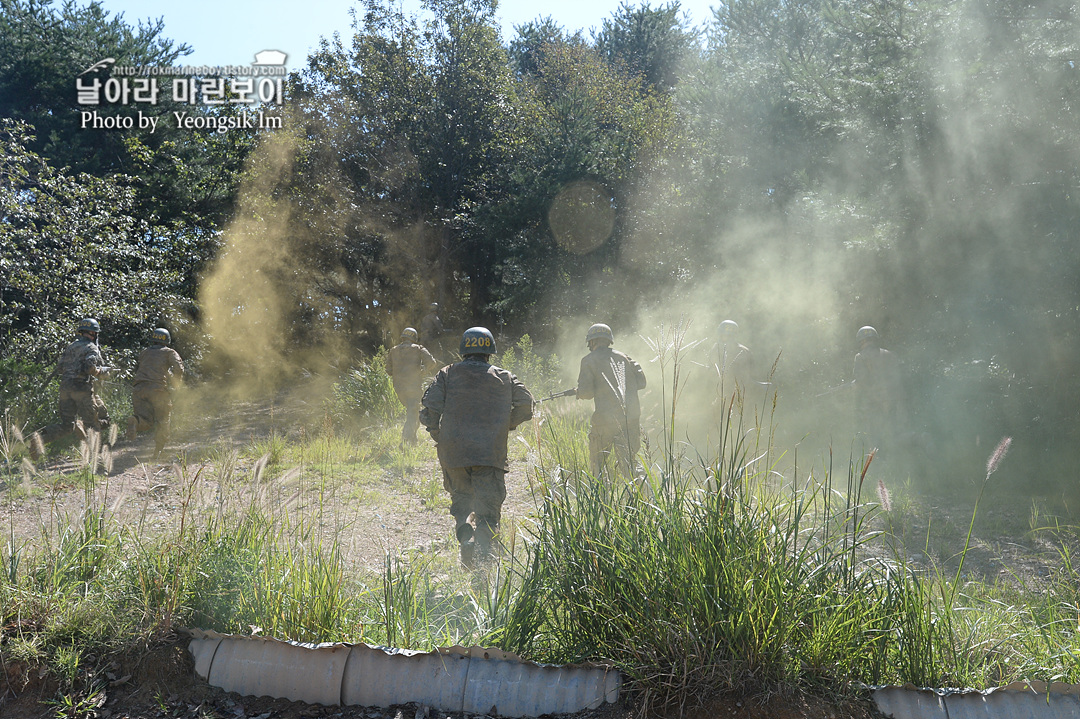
[177, 365]
[639, 374]
[427, 360]
[432, 404]
[585, 388]
[94, 363]
[521, 403]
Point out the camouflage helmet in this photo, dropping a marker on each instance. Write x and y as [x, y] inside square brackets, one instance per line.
[866, 334]
[160, 336]
[599, 332]
[88, 324]
[477, 341]
[409, 334]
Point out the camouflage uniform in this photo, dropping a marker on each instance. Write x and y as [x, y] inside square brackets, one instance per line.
[431, 328]
[151, 398]
[80, 406]
[612, 380]
[733, 362]
[469, 409]
[877, 392]
[406, 363]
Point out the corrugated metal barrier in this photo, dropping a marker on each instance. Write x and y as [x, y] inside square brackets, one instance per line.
[493, 682]
[1027, 700]
[456, 679]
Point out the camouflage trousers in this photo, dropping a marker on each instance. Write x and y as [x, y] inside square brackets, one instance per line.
[80, 410]
[477, 492]
[609, 433]
[409, 397]
[151, 408]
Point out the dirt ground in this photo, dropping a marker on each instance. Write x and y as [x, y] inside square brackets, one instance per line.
[395, 517]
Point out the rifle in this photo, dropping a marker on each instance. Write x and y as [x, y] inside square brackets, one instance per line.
[846, 385]
[565, 393]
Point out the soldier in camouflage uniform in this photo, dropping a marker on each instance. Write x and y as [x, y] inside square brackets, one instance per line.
[151, 398]
[732, 360]
[469, 409]
[877, 387]
[406, 363]
[81, 408]
[612, 380]
[432, 330]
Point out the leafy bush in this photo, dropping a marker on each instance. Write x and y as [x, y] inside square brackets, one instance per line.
[539, 373]
[365, 392]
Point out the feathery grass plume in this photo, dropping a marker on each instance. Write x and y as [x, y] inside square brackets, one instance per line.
[114, 432]
[28, 468]
[107, 459]
[17, 434]
[869, 459]
[37, 445]
[883, 496]
[260, 467]
[999, 454]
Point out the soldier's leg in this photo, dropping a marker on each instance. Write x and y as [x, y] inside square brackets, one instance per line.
[162, 404]
[53, 432]
[458, 483]
[602, 435]
[100, 411]
[627, 446]
[489, 493]
[142, 411]
[412, 420]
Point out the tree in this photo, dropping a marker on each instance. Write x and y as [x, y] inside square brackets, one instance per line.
[653, 43]
[71, 247]
[183, 175]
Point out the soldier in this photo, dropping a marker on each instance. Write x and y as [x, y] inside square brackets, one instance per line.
[877, 386]
[732, 360]
[160, 367]
[612, 380]
[81, 408]
[406, 363]
[431, 329]
[469, 409]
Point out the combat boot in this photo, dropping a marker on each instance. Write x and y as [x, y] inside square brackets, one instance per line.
[464, 534]
[485, 541]
[468, 555]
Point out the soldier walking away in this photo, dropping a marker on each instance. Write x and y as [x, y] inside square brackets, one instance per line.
[160, 368]
[432, 330]
[407, 363]
[469, 409]
[732, 360]
[877, 387]
[612, 380]
[81, 409]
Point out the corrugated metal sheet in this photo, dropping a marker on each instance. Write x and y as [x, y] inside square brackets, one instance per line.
[1020, 700]
[457, 679]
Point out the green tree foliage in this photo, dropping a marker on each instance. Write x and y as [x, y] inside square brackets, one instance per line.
[653, 43]
[410, 129]
[595, 136]
[70, 247]
[183, 175]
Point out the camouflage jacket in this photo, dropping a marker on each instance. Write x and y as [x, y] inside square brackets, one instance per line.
[470, 408]
[76, 364]
[407, 361]
[158, 365]
[611, 380]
